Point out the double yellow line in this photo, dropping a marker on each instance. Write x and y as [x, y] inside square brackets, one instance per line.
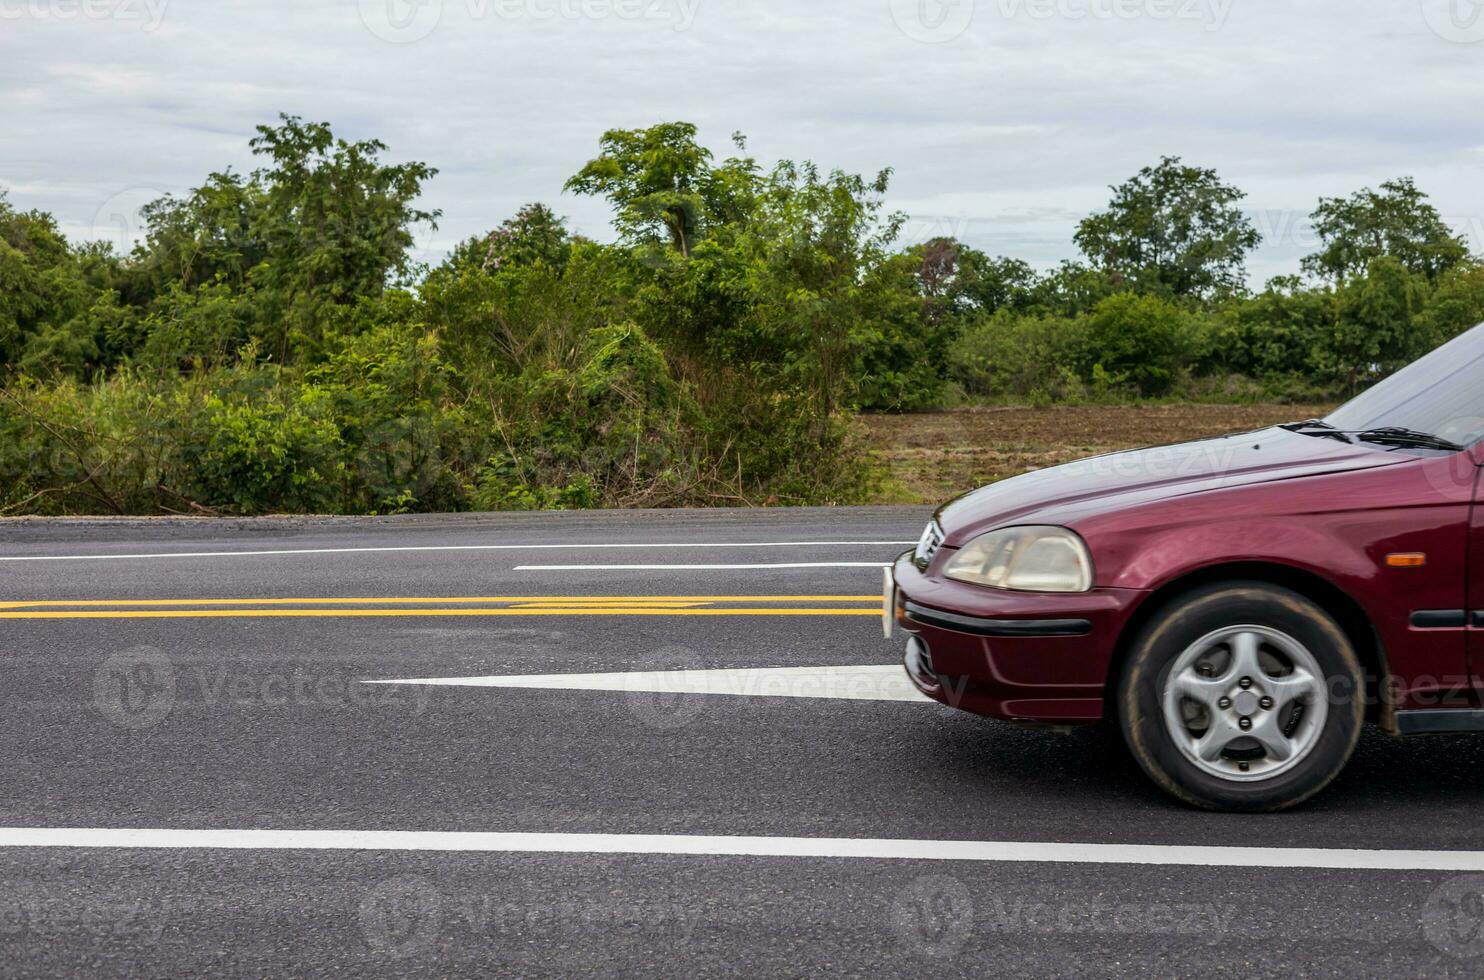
[457, 606]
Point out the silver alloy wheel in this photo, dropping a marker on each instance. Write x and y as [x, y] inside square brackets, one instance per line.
[1245, 703]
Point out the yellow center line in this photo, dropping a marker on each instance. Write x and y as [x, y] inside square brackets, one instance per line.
[604, 610]
[421, 600]
[607, 605]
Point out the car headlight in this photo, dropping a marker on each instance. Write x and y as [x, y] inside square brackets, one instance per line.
[1026, 559]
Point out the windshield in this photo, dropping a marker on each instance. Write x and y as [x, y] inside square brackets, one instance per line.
[1443, 394]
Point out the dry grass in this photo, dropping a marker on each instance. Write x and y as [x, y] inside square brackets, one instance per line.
[933, 456]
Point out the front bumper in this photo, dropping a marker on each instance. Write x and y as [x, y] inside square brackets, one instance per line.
[1012, 655]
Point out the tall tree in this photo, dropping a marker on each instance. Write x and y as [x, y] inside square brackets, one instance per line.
[653, 177]
[45, 295]
[1172, 229]
[663, 186]
[1396, 221]
[337, 222]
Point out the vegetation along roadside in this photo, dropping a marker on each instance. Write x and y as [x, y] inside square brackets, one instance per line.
[271, 346]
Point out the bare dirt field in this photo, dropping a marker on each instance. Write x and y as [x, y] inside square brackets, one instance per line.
[933, 456]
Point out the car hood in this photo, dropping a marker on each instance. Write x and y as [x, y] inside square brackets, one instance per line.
[1092, 487]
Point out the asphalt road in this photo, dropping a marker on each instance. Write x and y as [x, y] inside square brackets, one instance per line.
[130, 703]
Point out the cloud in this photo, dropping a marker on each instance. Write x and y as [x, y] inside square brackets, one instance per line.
[1005, 120]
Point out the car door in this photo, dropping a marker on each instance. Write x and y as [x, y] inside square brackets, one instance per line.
[1476, 574]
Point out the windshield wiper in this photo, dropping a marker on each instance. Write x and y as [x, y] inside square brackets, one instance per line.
[1391, 435]
[1318, 428]
[1394, 435]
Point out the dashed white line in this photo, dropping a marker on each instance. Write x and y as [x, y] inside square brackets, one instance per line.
[1007, 852]
[702, 568]
[463, 547]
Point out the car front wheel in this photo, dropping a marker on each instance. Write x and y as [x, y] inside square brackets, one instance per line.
[1242, 696]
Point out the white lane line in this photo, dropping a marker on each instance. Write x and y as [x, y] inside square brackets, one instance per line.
[873, 683]
[1012, 852]
[465, 547]
[701, 568]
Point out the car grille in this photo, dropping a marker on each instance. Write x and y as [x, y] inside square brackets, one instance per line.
[927, 546]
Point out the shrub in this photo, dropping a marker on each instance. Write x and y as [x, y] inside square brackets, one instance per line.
[1026, 357]
[1140, 341]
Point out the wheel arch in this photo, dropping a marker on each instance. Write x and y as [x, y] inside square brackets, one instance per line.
[1348, 612]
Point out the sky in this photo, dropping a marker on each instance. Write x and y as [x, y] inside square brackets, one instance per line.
[1005, 121]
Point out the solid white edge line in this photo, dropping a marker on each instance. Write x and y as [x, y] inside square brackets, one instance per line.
[465, 547]
[800, 847]
[700, 568]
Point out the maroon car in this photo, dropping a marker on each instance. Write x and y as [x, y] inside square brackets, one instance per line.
[1239, 605]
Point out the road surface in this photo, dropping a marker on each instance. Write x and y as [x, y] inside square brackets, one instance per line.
[623, 754]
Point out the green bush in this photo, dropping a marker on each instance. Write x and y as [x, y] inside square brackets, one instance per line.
[1036, 358]
[267, 448]
[1141, 341]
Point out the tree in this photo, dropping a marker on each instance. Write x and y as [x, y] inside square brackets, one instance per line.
[1279, 331]
[1174, 230]
[955, 278]
[1396, 221]
[212, 234]
[663, 187]
[1375, 332]
[534, 235]
[336, 220]
[325, 224]
[1071, 289]
[653, 177]
[45, 295]
[810, 251]
[1456, 304]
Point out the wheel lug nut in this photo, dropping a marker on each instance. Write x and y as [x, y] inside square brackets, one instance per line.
[1224, 703]
[1245, 724]
[1267, 704]
[1245, 767]
[1245, 683]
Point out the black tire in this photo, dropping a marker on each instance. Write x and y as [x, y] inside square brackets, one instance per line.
[1199, 614]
